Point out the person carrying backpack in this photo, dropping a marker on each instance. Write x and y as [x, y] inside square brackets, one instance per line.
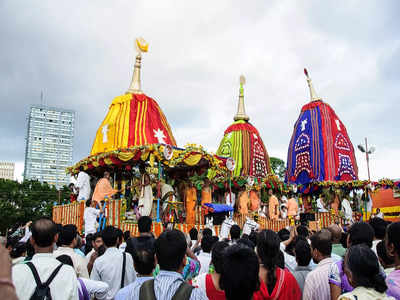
[44, 277]
[171, 250]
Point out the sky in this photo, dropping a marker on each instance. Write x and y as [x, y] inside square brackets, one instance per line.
[81, 55]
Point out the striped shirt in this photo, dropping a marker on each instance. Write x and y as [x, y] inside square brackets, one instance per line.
[316, 285]
[131, 291]
[167, 283]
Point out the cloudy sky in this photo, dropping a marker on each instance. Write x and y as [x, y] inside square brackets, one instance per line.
[81, 55]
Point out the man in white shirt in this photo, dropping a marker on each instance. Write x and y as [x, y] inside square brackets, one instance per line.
[64, 285]
[321, 205]
[205, 254]
[68, 237]
[90, 216]
[83, 185]
[109, 267]
[316, 286]
[348, 212]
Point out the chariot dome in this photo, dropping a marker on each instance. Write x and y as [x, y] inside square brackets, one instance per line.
[243, 143]
[320, 148]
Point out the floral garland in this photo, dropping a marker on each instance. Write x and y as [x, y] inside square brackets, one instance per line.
[273, 182]
[269, 182]
[190, 155]
[355, 184]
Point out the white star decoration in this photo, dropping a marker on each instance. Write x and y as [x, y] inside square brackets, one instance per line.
[159, 134]
[104, 131]
[303, 124]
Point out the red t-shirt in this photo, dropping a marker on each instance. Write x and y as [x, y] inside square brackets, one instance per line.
[211, 291]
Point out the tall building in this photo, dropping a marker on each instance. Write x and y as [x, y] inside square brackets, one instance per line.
[7, 170]
[49, 144]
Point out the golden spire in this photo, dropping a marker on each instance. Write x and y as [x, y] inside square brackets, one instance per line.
[241, 113]
[135, 86]
[313, 94]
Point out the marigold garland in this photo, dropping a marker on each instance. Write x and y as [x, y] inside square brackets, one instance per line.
[149, 153]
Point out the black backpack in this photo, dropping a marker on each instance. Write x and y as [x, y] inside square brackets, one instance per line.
[42, 291]
[147, 291]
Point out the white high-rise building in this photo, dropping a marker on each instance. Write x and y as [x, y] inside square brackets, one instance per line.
[7, 170]
[49, 144]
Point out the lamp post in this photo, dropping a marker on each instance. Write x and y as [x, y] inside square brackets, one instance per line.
[367, 153]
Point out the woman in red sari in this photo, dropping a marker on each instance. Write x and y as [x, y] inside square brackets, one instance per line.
[275, 283]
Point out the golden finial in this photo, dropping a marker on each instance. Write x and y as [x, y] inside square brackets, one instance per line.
[313, 94]
[241, 113]
[141, 46]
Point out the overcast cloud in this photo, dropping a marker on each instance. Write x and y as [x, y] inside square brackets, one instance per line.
[81, 55]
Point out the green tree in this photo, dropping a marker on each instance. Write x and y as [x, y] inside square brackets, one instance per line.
[26, 201]
[278, 166]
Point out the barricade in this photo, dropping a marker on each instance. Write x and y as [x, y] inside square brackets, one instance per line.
[264, 222]
[73, 214]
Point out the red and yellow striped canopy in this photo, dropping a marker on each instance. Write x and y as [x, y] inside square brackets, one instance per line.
[132, 120]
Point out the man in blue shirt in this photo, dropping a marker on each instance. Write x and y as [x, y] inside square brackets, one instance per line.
[171, 249]
[144, 263]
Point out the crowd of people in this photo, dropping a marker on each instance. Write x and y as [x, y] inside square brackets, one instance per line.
[50, 260]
